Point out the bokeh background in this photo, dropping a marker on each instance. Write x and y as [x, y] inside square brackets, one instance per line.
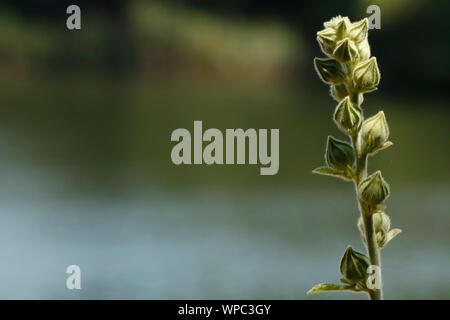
[86, 175]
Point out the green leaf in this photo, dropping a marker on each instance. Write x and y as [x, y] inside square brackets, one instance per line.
[331, 172]
[329, 287]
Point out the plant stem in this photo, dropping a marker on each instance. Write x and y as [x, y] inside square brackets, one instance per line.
[374, 253]
[372, 246]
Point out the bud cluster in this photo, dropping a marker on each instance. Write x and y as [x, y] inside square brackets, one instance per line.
[348, 67]
[343, 40]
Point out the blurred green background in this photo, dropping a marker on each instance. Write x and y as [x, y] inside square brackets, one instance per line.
[85, 124]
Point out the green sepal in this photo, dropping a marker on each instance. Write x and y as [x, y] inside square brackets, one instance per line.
[385, 145]
[383, 240]
[392, 234]
[346, 282]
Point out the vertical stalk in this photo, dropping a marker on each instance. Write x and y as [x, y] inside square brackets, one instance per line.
[372, 246]
[374, 252]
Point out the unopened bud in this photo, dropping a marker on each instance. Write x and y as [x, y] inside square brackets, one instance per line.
[381, 222]
[375, 132]
[364, 50]
[373, 190]
[336, 22]
[358, 30]
[342, 28]
[347, 116]
[366, 75]
[346, 51]
[339, 154]
[354, 266]
[327, 40]
[381, 226]
[329, 70]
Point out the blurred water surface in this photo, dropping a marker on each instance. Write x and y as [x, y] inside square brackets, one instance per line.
[206, 244]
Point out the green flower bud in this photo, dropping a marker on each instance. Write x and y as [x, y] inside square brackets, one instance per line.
[346, 51]
[364, 50]
[335, 30]
[327, 40]
[339, 91]
[373, 190]
[347, 116]
[381, 225]
[342, 28]
[336, 22]
[381, 222]
[339, 154]
[354, 266]
[358, 30]
[366, 75]
[329, 70]
[375, 132]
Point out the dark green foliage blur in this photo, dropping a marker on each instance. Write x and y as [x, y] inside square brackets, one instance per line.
[412, 44]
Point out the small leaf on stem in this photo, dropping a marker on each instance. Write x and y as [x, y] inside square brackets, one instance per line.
[330, 287]
[327, 171]
[392, 234]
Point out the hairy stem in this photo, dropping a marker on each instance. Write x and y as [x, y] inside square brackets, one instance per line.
[374, 253]
[372, 246]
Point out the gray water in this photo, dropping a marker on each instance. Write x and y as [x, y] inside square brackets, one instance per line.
[204, 243]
